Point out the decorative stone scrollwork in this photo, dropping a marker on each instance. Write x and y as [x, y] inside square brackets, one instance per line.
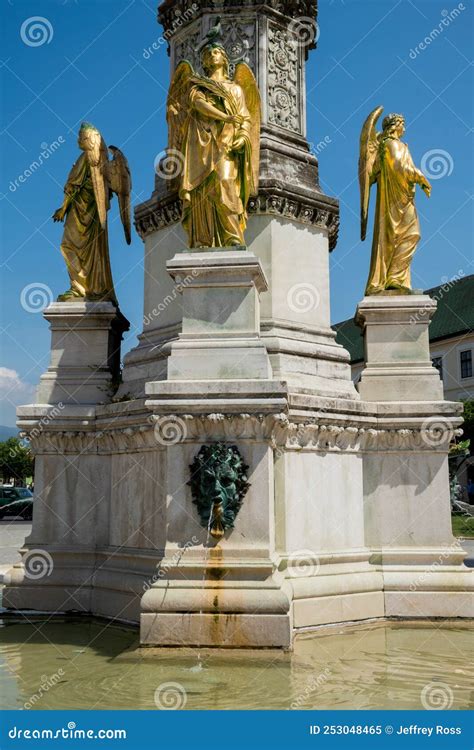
[276, 429]
[238, 38]
[49, 441]
[326, 437]
[239, 41]
[226, 427]
[171, 10]
[295, 208]
[284, 107]
[86, 442]
[150, 219]
[186, 47]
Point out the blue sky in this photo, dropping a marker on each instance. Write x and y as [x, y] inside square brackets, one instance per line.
[91, 67]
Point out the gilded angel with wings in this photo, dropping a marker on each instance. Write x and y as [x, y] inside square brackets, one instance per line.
[214, 129]
[85, 247]
[386, 160]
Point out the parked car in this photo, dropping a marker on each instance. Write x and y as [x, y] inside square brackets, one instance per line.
[16, 501]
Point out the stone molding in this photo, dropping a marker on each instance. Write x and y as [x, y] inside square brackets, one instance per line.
[161, 431]
[171, 11]
[157, 214]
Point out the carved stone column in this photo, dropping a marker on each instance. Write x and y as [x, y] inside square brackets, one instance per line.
[274, 38]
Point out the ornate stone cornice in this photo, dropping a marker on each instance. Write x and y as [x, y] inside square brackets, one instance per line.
[162, 431]
[171, 10]
[323, 437]
[310, 212]
[154, 215]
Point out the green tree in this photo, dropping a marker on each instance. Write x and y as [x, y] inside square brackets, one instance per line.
[16, 460]
[468, 425]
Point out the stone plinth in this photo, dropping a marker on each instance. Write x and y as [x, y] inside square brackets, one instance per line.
[407, 511]
[295, 311]
[85, 352]
[397, 349]
[220, 334]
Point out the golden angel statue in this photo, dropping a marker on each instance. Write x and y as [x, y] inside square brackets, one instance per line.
[384, 159]
[214, 137]
[85, 247]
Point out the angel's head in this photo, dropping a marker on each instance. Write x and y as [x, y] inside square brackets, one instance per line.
[393, 125]
[90, 140]
[88, 135]
[214, 57]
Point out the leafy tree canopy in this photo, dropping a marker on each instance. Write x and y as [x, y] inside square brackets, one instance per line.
[16, 460]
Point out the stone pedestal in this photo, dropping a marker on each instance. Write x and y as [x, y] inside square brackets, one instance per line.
[397, 349]
[407, 512]
[220, 334]
[85, 353]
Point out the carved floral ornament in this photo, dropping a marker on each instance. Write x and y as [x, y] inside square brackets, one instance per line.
[276, 429]
[283, 84]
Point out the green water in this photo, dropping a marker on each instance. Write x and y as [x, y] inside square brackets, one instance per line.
[94, 665]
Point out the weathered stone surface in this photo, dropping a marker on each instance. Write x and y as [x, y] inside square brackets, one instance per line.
[85, 353]
[397, 351]
[347, 514]
[220, 333]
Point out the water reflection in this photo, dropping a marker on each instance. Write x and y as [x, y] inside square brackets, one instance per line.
[87, 664]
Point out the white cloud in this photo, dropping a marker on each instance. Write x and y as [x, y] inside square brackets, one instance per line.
[13, 392]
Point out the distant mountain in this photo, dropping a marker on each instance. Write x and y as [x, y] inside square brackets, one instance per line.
[7, 432]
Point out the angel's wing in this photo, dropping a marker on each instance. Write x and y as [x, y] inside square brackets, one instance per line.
[177, 105]
[367, 154]
[97, 157]
[246, 80]
[120, 183]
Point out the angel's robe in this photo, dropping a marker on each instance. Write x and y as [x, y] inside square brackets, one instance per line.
[397, 229]
[216, 181]
[84, 245]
